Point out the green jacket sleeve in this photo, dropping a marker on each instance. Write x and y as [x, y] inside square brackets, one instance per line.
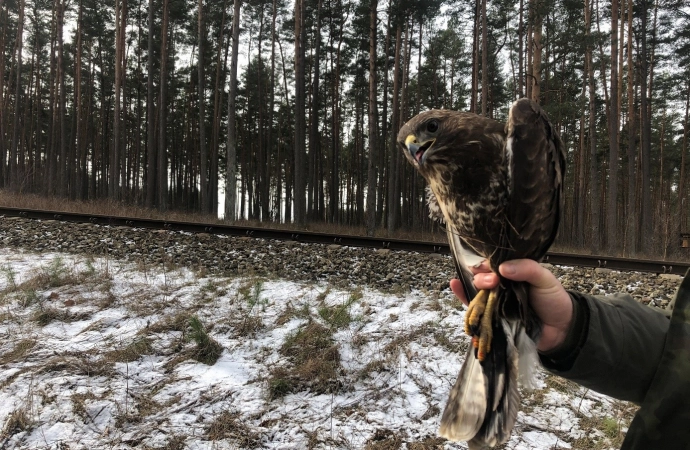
[614, 346]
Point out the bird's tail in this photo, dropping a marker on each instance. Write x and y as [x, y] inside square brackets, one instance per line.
[483, 404]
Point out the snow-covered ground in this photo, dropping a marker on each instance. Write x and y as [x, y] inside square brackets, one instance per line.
[98, 353]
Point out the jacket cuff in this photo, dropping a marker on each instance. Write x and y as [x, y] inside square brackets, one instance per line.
[563, 357]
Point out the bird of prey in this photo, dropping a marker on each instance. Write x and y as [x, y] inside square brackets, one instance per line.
[498, 190]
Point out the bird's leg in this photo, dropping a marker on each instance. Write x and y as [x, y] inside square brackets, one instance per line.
[475, 311]
[485, 331]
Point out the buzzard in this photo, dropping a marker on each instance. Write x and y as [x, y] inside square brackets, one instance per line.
[498, 190]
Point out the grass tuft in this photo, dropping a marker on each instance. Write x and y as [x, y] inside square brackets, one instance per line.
[228, 425]
[17, 422]
[131, 352]
[339, 316]
[384, 439]
[45, 315]
[18, 351]
[79, 404]
[315, 359]
[11, 277]
[208, 350]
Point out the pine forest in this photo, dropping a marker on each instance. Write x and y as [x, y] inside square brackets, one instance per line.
[287, 112]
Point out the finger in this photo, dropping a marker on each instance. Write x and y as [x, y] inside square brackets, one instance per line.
[482, 267]
[528, 270]
[486, 280]
[456, 287]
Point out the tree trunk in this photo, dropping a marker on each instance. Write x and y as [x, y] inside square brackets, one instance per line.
[645, 151]
[300, 144]
[536, 51]
[373, 108]
[631, 223]
[113, 191]
[3, 148]
[581, 191]
[393, 172]
[217, 105]
[612, 188]
[271, 102]
[231, 157]
[76, 188]
[203, 155]
[682, 210]
[151, 149]
[382, 151]
[485, 61]
[14, 176]
[521, 53]
[475, 57]
[62, 178]
[314, 139]
[162, 122]
[529, 48]
[595, 209]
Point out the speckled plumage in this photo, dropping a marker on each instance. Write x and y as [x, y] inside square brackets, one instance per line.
[498, 190]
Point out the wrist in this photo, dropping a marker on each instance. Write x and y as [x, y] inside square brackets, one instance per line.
[561, 350]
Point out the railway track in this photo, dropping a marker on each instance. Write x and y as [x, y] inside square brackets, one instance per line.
[614, 263]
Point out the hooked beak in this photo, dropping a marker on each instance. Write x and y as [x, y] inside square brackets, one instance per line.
[416, 149]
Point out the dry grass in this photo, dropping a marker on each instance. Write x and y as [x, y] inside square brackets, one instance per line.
[247, 326]
[19, 351]
[130, 352]
[384, 439]
[291, 312]
[338, 316]
[207, 350]
[457, 346]
[79, 404]
[78, 364]
[45, 315]
[315, 363]
[228, 425]
[429, 443]
[177, 322]
[17, 422]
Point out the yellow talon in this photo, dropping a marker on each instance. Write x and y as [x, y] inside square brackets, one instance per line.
[475, 311]
[486, 333]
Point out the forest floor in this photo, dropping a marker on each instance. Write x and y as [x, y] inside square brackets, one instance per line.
[98, 353]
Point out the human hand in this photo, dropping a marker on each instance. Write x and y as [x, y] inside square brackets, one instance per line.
[546, 296]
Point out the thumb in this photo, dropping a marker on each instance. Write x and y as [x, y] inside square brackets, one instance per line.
[527, 270]
[456, 287]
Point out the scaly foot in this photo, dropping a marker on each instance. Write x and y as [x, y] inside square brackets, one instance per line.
[486, 333]
[475, 311]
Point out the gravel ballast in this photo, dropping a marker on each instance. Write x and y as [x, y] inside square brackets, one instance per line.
[389, 271]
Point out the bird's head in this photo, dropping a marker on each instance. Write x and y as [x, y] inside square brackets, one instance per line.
[424, 136]
[440, 140]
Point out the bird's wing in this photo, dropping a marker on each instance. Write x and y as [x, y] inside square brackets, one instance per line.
[463, 258]
[537, 166]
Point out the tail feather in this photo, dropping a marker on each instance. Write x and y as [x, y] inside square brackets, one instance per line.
[483, 404]
[500, 421]
[464, 413]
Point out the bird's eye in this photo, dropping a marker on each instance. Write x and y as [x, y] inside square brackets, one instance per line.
[432, 126]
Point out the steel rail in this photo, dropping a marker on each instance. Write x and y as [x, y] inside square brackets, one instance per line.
[607, 262]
